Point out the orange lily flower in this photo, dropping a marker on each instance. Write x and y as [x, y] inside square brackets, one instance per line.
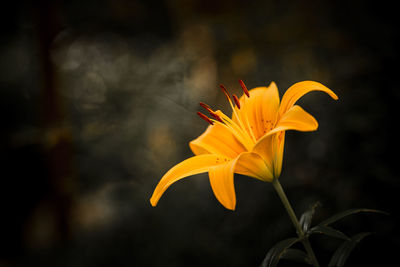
[250, 143]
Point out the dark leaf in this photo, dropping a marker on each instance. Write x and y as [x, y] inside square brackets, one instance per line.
[275, 253]
[306, 217]
[342, 253]
[345, 213]
[296, 255]
[326, 230]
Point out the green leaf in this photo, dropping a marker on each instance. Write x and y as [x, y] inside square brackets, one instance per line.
[296, 255]
[306, 217]
[276, 252]
[327, 230]
[342, 253]
[345, 213]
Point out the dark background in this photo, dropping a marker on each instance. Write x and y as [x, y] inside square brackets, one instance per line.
[98, 101]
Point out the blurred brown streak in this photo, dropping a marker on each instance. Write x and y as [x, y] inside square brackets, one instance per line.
[57, 138]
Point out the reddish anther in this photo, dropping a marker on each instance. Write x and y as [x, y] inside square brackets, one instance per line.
[212, 113]
[244, 88]
[218, 118]
[205, 106]
[225, 91]
[236, 99]
[204, 117]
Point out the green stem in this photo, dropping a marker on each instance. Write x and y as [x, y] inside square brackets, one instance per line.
[295, 221]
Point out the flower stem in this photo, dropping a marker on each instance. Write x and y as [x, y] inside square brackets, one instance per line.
[295, 221]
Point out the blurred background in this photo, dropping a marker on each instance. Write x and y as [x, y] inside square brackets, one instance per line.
[98, 100]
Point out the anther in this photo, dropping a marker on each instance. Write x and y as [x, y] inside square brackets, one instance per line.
[244, 88]
[205, 106]
[235, 98]
[218, 118]
[212, 113]
[204, 117]
[225, 91]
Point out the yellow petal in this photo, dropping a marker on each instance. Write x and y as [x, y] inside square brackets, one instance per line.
[297, 119]
[253, 165]
[260, 110]
[298, 90]
[217, 139]
[278, 147]
[270, 148]
[190, 166]
[221, 180]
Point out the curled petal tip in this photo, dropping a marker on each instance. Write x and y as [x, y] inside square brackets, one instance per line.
[272, 83]
[229, 206]
[298, 90]
[153, 202]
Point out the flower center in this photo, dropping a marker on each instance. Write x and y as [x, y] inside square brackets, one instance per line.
[240, 128]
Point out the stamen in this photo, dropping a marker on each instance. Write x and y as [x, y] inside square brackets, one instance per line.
[204, 117]
[249, 127]
[238, 131]
[218, 118]
[212, 113]
[225, 91]
[235, 98]
[205, 106]
[244, 88]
